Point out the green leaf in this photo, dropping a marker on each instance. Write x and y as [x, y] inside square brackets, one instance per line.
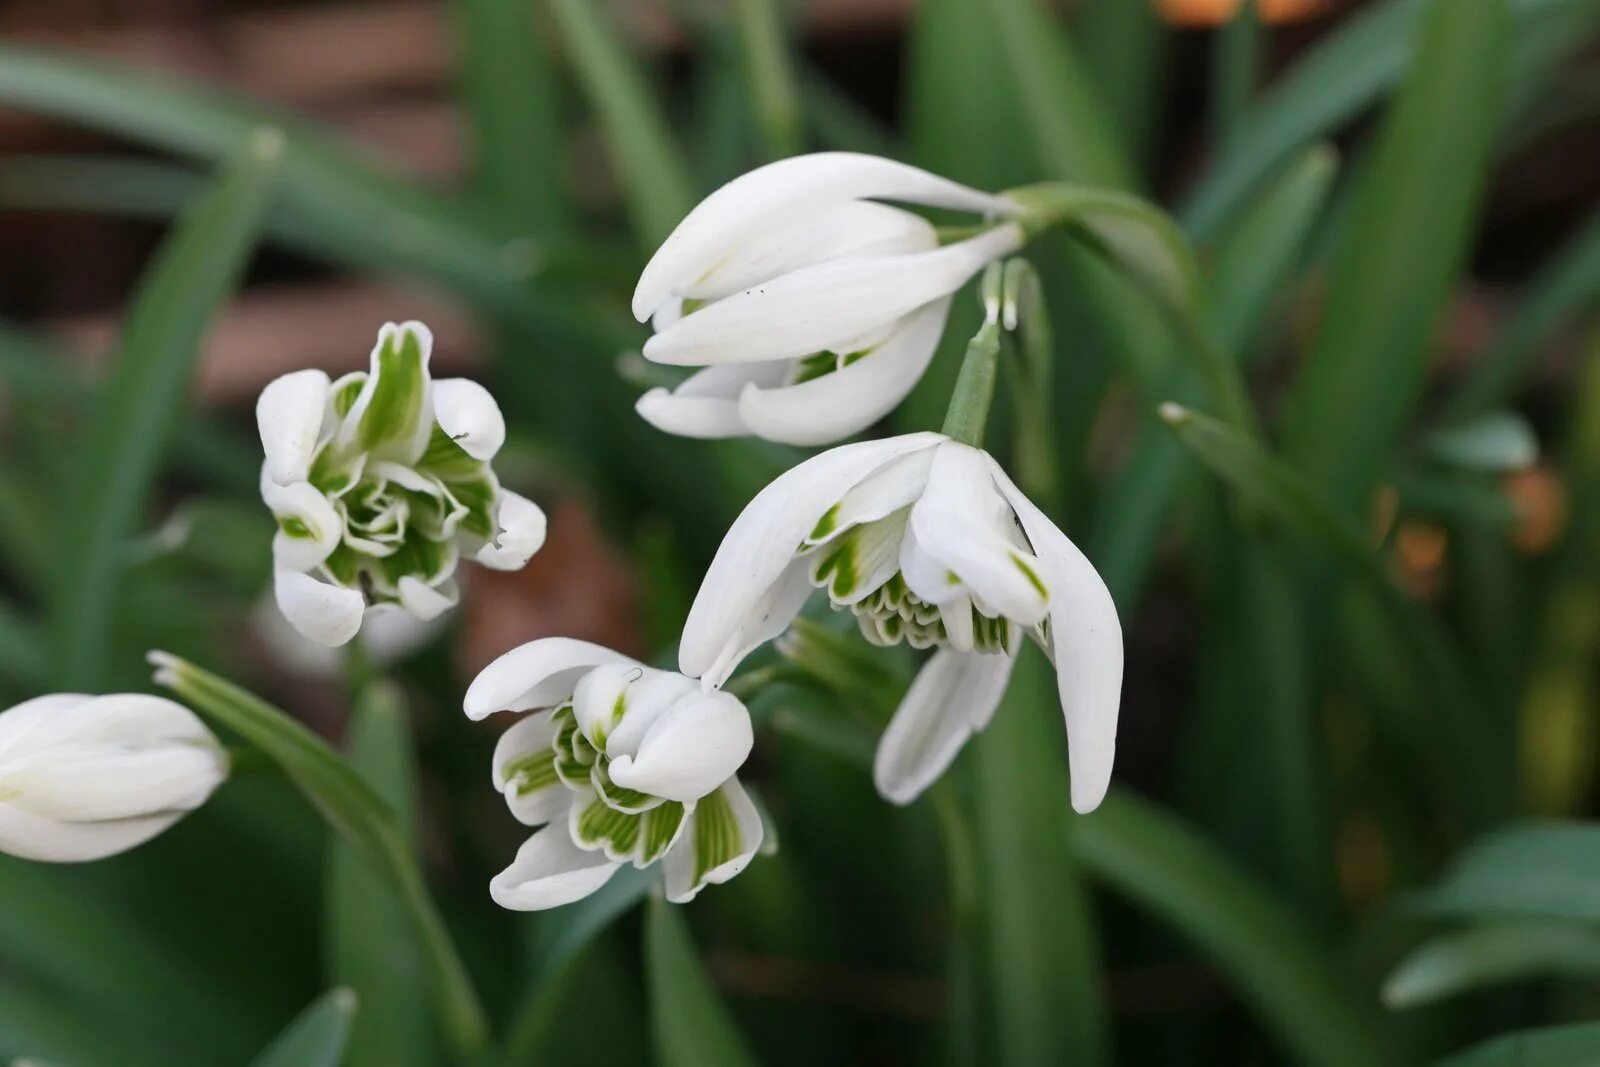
[1280, 968]
[652, 170]
[771, 75]
[316, 1038]
[1070, 126]
[337, 199]
[352, 809]
[1042, 956]
[1469, 960]
[1354, 65]
[1125, 46]
[372, 946]
[1494, 441]
[193, 273]
[1575, 1045]
[42, 1028]
[560, 939]
[1568, 286]
[691, 1028]
[510, 89]
[1236, 67]
[1400, 253]
[1530, 870]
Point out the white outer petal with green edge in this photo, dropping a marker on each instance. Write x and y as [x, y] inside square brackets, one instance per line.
[303, 502]
[82, 778]
[789, 188]
[755, 585]
[965, 524]
[819, 308]
[705, 405]
[406, 450]
[289, 416]
[952, 698]
[469, 416]
[852, 398]
[848, 228]
[680, 866]
[320, 611]
[693, 746]
[530, 736]
[522, 532]
[1085, 643]
[550, 871]
[539, 674]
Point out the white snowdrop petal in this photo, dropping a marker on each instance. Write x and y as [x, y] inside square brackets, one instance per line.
[318, 610]
[964, 523]
[550, 871]
[719, 840]
[741, 596]
[289, 417]
[953, 697]
[798, 186]
[852, 398]
[423, 601]
[690, 749]
[816, 308]
[1086, 642]
[467, 413]
[539, 674]
[522, 532]
[35, 837]
[309, 526]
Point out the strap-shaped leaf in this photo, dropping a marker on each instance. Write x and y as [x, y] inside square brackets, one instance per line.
[316, 1037]
[1551, 1046]
[691, 1028]
[193, 273]
[351, 807]
[1465, 961]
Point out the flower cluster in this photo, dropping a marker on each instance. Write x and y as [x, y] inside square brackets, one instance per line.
[812, 307]
[82, 778]
[379, 481]
[926, 540]
[618, 763]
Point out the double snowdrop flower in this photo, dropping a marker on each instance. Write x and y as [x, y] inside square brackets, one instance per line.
[379, 481]
[618, 763]
[82, 778]
[812, 307]
[926, 540]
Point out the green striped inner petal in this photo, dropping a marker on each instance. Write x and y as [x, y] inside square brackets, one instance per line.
[717, 838]
[532, 772]
[573, 771]
[661, 827]
[398, 393]
[631, 801]
[599, 825]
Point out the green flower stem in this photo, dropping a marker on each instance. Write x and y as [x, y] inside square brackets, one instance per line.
[968, 413]
[353, 810]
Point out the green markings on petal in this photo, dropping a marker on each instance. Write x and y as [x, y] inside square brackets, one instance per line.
[1029, 573]
[532, 772]
[397, 395]
[597, 824]
[343, 566]
[417, 557]
[825, 525]
[479, 497]
[345, 392]
[446, 459]
[821, 364]
[631, 801]
[835, 569]
[573, 756]
[717, 838]
[661, 827]
[296, 528]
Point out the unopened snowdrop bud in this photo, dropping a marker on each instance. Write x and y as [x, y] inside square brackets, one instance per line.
[82, 778]
[925, 540]
[813, 307]
[379, 482]
[616, 763]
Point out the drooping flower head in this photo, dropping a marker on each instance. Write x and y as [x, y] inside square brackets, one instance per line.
[83, 778]
[379, 481]
[813, 307]
[618, 763]
[926, 540]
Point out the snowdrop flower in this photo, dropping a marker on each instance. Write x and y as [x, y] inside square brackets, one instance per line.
[617, 763]
[82, 778]
[926, 540]
[379, 481]
[812, 307]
